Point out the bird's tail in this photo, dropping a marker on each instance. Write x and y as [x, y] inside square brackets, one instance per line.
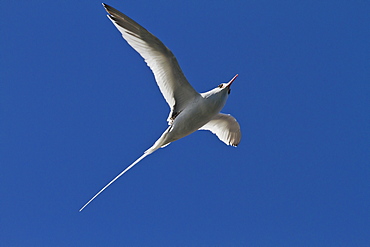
[158, 144]
[117, 177]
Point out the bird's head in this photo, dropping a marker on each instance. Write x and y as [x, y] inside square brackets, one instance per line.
[225, 87]
[222, 91]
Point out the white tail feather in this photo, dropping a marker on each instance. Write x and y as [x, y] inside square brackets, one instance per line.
[158, 144]
[146, 153]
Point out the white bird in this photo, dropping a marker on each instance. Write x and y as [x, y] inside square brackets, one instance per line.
[190, 110]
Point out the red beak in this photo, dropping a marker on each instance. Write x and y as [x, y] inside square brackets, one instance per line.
[231, 81]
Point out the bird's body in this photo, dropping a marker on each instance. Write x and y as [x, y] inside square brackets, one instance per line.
[190, 110]
[197, 113]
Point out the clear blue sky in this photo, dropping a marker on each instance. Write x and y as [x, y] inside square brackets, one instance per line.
[78, 105]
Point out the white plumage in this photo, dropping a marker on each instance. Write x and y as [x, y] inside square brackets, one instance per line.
[190, 110]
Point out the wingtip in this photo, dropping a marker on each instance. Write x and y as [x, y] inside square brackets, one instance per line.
[106, 7]
[234, 144]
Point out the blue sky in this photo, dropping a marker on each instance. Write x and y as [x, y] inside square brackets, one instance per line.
[78, 105]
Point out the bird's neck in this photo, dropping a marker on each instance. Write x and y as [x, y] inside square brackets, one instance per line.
[215, 102]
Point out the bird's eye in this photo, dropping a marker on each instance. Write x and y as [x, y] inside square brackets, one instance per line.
[220, 86]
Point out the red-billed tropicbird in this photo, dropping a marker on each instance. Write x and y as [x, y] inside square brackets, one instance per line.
[190, 110]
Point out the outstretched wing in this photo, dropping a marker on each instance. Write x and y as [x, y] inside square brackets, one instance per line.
[171, 81]
[226, 128]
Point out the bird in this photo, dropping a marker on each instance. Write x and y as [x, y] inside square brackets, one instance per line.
[189, 110]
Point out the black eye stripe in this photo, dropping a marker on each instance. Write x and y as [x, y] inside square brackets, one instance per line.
[220, 86]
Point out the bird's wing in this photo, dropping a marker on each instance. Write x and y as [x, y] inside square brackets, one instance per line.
[171, 81]
[226, 128]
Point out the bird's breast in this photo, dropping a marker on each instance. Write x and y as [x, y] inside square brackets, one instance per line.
[194, 116]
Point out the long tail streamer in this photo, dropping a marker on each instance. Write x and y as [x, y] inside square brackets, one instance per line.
[117, 177]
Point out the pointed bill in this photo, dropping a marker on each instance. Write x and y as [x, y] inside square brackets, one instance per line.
[231, 81]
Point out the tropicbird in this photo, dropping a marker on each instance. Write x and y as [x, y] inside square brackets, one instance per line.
[190, 110]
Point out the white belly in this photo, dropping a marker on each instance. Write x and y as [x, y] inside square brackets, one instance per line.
[192, 118]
